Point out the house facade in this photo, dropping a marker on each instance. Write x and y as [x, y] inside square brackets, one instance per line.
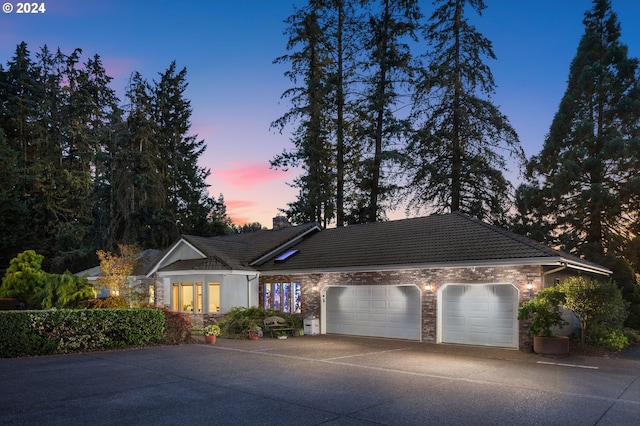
[438, 279]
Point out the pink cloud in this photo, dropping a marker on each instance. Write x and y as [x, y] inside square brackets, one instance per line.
[119, 67]
[247, 175]
[241, 211]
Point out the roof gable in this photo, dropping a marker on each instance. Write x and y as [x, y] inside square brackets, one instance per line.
[230, 252]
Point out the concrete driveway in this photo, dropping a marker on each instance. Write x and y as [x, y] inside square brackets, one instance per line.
[313, 380]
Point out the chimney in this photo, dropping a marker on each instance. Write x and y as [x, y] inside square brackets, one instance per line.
[280, 222]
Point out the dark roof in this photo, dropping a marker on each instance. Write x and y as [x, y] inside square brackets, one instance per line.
[146, 260]
[433, 240]
[238, 251]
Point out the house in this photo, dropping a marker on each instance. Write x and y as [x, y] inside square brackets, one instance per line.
[443, 278]
[206, 277]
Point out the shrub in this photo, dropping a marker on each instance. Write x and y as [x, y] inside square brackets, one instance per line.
[24, 278]
[27, 333]
[543, 311]
[177, 329]
[614, 340]
[239, 321]
[598, 306]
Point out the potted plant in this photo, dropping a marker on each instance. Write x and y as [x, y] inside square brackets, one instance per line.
[544, 312]
[211, 332]
[255, 332]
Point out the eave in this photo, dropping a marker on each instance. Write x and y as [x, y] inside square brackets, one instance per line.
[544, 261]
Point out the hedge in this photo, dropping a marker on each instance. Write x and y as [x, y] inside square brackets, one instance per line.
[28, 333]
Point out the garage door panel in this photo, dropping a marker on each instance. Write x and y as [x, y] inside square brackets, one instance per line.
[378, 311]
[378, 304]
[480, 315]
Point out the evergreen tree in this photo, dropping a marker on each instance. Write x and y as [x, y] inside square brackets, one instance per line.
[13, 209]
[24, 279]
[137, 189]
[586, 176]
[457, 161]
[310, 110]
[81, 173]
[183, 179]
[19, 104]
[388, 64]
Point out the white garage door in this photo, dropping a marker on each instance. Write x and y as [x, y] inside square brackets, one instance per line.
[377, 311]
[480, 315]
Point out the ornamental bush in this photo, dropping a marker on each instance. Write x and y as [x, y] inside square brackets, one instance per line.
[177, 328]
[239, 321]
[29, 333]
[598, 306]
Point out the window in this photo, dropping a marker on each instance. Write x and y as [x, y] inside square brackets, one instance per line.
[187, 297]
[186, 294]
[175, 297]
[183, 298]
[214, 297]
[287, 254]
[283, 297]
[199, 297]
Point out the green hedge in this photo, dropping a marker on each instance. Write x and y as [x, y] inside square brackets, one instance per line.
[28, 333]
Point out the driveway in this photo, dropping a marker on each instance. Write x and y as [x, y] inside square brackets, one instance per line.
[313, 380]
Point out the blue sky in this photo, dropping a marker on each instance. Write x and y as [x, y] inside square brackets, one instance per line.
[228, 47]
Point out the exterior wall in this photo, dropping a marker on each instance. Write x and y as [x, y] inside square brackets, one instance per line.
[520, 276]
[235, 290]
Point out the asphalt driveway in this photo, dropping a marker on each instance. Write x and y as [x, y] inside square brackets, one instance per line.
[313, 380]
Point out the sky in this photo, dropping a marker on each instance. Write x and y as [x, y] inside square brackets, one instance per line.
[228, 48]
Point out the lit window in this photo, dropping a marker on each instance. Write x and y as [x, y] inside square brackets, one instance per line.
[198, 297]
[283, 297]
[214, 297]
[187, 297]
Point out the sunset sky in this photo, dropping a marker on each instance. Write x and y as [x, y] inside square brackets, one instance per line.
[228, 47]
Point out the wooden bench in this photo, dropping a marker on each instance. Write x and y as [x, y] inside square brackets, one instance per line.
[277, 324]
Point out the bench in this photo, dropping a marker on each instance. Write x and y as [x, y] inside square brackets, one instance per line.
[277, 324]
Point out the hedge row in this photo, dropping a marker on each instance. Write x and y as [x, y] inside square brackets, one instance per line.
[28, 333]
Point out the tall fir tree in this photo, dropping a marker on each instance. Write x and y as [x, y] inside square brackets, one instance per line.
[584, 186]
[457, 152]
[584, 182]
[184, 179]
[137, 190]
[392, 24]
[83, 174]
[310, 111]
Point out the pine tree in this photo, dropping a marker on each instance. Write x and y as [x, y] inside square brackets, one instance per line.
[585, 174]
[457, 160]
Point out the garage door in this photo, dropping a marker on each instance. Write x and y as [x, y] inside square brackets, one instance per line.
[480, 315]
[377, 311]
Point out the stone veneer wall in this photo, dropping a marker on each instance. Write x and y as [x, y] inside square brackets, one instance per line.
[516, 275]
[202, 320]
[158, 294]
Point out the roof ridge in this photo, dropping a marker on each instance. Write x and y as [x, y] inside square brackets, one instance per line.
[225, 261]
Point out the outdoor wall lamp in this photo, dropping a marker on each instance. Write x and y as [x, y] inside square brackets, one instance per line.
[530, 279]
[314, 288]
[428, 287]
